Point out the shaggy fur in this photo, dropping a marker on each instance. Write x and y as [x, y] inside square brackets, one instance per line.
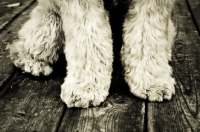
[148, 38]
[82, 29]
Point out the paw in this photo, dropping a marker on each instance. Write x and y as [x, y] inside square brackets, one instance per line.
[77, 95]
[160, 92]
[34, 67]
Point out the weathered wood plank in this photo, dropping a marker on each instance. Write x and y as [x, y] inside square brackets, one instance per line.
[121, 112]
[7, 35]
[182, 113]
[8, 13]
[30, 103]
[194, 6]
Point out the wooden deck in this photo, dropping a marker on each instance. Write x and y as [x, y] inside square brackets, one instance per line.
[33, 104]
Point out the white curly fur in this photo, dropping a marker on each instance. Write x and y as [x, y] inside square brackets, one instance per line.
[88, 52]
[82, 28]
[39, 42]
[148, 37]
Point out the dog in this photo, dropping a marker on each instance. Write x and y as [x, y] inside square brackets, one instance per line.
[82, 30]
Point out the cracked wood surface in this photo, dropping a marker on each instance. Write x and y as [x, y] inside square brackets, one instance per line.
[30, 103]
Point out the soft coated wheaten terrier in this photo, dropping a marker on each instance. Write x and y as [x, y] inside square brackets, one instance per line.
[82, 29]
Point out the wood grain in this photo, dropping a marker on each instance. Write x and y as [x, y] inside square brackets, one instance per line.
[30, 103]
[118, 113]
[194, 6]
[182, 113]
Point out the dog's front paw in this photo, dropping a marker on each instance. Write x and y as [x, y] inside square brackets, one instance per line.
[80, 95]
[34, 67]
[161, 92]
[158, 90]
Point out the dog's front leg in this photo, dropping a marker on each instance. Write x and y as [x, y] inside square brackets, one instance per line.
[88, 51]
[40, 40]
[148, 38]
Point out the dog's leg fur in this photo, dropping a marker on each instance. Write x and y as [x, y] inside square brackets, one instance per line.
[39, 41]
[88, 52]
[148, 37]
[171, 36]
